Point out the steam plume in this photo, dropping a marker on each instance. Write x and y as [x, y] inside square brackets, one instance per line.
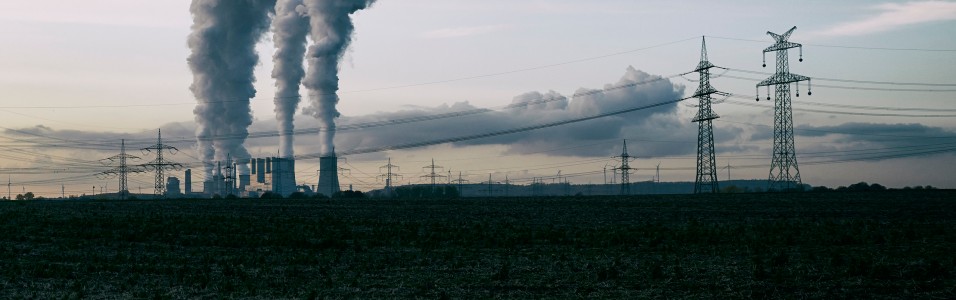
[331, 31]
[223, 39]
[290, 28]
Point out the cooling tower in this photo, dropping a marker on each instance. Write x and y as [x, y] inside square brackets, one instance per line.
[328, 176]
[283, 176]
[243, 182]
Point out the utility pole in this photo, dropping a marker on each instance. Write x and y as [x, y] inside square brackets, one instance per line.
[122, 169]
[490, 186]
[706, 179]
[388, 175]
[160, 164]
[784, 172]
[625, 171]
[432, 175]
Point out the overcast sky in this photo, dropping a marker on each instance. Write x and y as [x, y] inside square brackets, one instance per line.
[100, 70]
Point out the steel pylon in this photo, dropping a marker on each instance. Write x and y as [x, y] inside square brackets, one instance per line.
[160, 164]
[706, 181]
[784, 171]
[625, 170]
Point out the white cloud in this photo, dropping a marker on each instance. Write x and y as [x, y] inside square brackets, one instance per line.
[458, 32]
[895, 15]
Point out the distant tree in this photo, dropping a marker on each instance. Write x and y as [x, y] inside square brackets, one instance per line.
[930, 187]
[319, 196]
[231, 197]
[350, 195]
[877, 187]
[27, 196]
[298, 195]
[821, 189]
[859, 187]
[270, 195]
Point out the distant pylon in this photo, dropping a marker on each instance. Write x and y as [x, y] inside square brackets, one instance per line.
[706, 181]
[625, 171]
[388, 176]
[460, 182]
[160, 164]
[432, 175]
[784, 172]
[122, 170]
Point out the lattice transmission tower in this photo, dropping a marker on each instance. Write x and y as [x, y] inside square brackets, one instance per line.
[122, 169]
[706, 181]
[160, 164]
[625, 171]
[460, 182]
[388, 176]
[433, 175]
[784, 172]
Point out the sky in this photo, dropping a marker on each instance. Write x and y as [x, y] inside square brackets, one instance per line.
[78, 76]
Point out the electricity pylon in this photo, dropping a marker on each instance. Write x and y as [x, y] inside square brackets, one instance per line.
[433, 176]
[160, 164]
[706, 181]
[122, 169]
[625, 171]
[460, 182]
[784, 172]
[388, 175]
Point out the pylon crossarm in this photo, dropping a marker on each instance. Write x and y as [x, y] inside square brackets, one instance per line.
[782, 79]
[782, 46]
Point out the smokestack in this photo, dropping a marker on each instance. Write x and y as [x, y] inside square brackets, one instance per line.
[331, 32]
[189, 181]
[223, 58]
[290, 28]
[328, 176]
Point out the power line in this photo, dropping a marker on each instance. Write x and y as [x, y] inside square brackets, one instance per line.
[845, 46]
[848, 80]
[839, 112]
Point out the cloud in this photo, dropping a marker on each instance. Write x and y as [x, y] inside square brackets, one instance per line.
[458, 32]
[895, 15]
[533, 108]
[876, 140]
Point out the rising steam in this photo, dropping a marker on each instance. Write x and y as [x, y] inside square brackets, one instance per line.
[331, 31]
[290, 28]
[223, 39]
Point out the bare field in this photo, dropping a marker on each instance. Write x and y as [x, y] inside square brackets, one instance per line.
[894, 244]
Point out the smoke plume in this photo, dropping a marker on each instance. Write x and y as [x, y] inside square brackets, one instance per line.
[290, 28]
[223, 39]
[331, 31]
